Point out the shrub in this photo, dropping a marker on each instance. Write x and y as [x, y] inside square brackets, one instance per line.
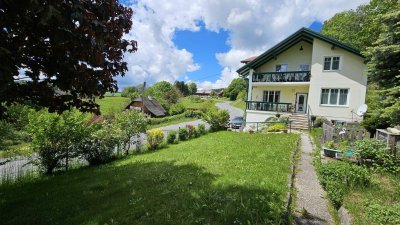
[382, 214]
[376, 150]
[319, 121]
[176, 109]
[195, 99]
[207, 106]
[6, 132]
[190, 129]
[131, 123]
[171, 137]
[56, 137]
[196, 133]
[280, 119]
[276, 127]
[98, 148]
[218, 119]
[202, 129]
[193, 114]
[183, 134]
[154, 138]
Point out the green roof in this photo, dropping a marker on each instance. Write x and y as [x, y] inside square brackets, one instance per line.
[304, 34]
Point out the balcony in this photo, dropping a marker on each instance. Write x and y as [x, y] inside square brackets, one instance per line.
[290, 76]
[269, 106]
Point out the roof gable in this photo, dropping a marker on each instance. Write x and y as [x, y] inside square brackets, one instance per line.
[304, 34]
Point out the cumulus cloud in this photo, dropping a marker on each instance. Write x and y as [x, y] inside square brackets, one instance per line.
[253, 26]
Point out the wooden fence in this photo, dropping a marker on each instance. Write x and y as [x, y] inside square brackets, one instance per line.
[343, 133]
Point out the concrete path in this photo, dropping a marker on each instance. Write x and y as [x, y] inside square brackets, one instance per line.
[311, 203]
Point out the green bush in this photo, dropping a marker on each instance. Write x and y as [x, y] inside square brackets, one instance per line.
[56, 137]
[281, 119]
[195, 99]
[98, 148]
[177, 108]
[183, 134]
[319, 121]
[277, 127]
[191, 130]
[17, 115]
[6, 132]
[196, 132]
[155, 121]
[171, 137]
[202, 129]
[383, 214]
[193, 114]
[131, 123]
[154, 138]
[335, 192]
[218, 119]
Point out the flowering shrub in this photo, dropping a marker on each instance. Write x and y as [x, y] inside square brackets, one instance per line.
[154, 138]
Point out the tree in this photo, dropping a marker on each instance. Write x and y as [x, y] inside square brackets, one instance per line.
[384, 67]
[165, 93]
[237, 85]
[130, 92]
[182, 87]
[192, 88]
[62, 54]
[359, 28]
[213, 94]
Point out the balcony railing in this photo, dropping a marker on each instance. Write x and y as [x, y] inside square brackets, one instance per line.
[291, 76]
[269, 106]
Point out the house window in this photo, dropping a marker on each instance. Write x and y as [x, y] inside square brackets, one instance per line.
[304, 67]
[334, 96]
[271, 96]
[331, 62]
[281, 68]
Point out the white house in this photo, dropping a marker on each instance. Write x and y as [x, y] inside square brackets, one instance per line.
[305, 74]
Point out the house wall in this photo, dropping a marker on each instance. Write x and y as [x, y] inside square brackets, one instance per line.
[351, 75]
[288, 93]
[293, 57]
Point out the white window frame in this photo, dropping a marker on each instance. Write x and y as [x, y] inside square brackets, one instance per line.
[338, 97]
[331, 64]
[274, 94]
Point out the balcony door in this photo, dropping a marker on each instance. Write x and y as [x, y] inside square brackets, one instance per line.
[301, 102]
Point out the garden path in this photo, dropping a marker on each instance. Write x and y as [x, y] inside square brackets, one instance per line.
[311, 203]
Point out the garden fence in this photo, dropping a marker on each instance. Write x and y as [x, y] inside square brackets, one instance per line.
[344, 133]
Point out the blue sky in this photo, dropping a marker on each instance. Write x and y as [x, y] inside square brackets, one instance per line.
[204, 44]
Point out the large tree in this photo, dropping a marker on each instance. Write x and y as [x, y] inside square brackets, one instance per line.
[384, 69]
[235, 87]
[61, 54]
[165, 93]
[192, 88]
[359, 28]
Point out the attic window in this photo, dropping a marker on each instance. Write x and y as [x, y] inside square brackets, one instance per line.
[331, 62]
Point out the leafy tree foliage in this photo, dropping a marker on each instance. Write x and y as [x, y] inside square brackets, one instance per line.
[165, 93]
[213, 94]
[237, 85]
[60, 54]
[384, 66]
[218, 119]
[182, 87]
[55, 137]
[192, 88]
[359, 28]
[130, 92]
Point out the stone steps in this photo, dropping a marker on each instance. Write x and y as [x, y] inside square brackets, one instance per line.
[299, 121]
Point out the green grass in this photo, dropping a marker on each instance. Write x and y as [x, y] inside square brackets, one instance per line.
[109, 105]
[188, 103]
[14, 150]
[385, 191]
[316, 134]
[239, 104]
[220, 178]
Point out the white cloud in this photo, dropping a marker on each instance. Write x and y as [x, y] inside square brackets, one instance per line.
[253, 26]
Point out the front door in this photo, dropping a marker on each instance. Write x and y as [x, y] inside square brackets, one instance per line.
[301, 105]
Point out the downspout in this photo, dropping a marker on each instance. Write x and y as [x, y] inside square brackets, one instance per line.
[249, 93]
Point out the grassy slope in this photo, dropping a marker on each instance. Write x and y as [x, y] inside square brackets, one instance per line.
[216, 179]
[110, 105]
[239, 104]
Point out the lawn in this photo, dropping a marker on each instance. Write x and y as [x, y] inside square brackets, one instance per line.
[189, 103]
[109, 105]
[220, 178]
[239, 104]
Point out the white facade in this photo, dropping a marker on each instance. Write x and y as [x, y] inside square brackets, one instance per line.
[333, 93]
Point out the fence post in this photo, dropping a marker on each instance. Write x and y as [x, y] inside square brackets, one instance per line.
[257, 126]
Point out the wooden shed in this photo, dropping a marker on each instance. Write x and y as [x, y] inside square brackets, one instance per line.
[150, 106]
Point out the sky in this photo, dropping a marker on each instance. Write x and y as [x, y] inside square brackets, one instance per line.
[203, 41]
